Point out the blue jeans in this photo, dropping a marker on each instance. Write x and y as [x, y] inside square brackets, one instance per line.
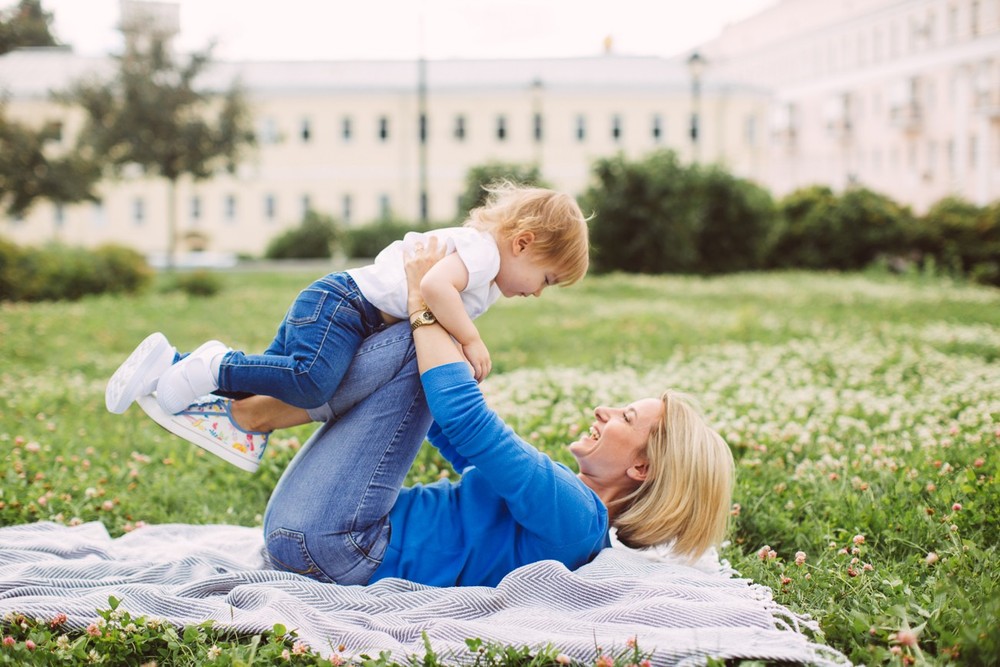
[328, 515]
[312, 349]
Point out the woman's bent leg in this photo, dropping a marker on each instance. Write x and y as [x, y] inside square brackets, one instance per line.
[328, 515]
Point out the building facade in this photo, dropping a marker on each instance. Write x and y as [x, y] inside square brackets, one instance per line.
[346, 138]
[902, 96]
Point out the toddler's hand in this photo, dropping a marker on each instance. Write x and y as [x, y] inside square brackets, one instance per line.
[479, 358]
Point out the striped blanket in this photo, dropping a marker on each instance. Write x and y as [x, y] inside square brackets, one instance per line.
[189, 574]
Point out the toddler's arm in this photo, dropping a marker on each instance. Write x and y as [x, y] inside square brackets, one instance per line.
[440, 289]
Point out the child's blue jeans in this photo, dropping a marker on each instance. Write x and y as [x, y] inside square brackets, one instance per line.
[312, 349]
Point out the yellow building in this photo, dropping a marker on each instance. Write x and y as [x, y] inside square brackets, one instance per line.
[344, 138]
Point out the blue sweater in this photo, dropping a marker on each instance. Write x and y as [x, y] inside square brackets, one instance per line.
[512, 506]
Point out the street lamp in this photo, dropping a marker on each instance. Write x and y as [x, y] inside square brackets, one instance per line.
[696, 66]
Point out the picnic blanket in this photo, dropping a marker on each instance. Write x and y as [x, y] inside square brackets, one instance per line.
[188, 574]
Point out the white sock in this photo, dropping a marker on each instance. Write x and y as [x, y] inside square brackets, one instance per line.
[215, 364]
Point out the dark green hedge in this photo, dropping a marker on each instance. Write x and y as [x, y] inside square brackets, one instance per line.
[60, 272]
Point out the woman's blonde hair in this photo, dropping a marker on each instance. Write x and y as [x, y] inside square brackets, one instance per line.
[686, 497]
[559, 226]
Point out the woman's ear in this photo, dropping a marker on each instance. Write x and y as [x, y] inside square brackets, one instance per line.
[638, 471]
[522, 242]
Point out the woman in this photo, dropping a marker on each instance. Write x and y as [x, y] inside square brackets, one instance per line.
[652, 469]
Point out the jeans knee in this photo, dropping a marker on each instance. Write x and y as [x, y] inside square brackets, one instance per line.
[287, 550]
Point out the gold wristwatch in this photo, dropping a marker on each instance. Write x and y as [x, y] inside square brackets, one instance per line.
[420, 319]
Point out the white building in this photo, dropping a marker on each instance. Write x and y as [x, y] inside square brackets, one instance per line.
[900, 95]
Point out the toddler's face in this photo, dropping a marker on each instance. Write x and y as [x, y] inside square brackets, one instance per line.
[525, 275]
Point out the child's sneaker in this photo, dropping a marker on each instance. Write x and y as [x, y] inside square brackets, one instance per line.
[190, 378]
[139, 373]
[210, 425]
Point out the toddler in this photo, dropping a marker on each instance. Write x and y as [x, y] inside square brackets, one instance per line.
[519, 242]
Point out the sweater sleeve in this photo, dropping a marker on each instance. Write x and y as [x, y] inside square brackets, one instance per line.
[544, 497]
[448, 451]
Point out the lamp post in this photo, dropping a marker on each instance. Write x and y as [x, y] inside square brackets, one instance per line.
[696, 66]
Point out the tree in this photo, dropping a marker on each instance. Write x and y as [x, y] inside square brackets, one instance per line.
[28, 172]
[152, 115]
[26, 24]
[484, 174]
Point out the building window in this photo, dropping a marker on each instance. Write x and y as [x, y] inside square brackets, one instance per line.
[422, 128]
[750, 130]
[459, 128]
[657, 128]
[268, 131]
[59, 216]
[345, 128]
[305, 131]
[501, 128]
[973, 151]
[346, 206]
[306, 204]
[270, 208]
[581, 128]
[383, 128]
[616, 128]
[384, 207]
[974, 18]
[138, 211]
[98, 214]
[195, 210]
[537, 121]
[424, 206]
[950, 150]
[952, 23]
[54, 128]
[230, 208]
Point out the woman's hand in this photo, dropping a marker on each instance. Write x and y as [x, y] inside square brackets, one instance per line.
[417, 263]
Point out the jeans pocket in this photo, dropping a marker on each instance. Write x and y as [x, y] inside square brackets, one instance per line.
[287, 551]
[307, 307]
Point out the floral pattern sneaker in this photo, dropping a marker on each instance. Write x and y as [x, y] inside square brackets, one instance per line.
[209, 424]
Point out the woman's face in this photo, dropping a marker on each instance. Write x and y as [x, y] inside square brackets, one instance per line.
[616, 441]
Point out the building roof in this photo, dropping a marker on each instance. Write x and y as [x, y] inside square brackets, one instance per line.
[35, 72]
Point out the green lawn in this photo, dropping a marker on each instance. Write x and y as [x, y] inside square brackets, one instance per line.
[864, 412]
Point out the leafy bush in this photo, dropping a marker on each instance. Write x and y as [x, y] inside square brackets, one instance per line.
[963, 238]
[200, 282]
[735, 220]
[124, 269]
[313, 238]
[11, 259]
[56, 272]
[369, 240]
[474, 195]
[821, 230]
[659, 216]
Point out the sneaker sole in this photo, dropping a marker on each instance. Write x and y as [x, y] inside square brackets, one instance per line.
[152, 354]
[179, 428]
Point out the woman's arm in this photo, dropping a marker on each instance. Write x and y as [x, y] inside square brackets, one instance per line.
[434, 345]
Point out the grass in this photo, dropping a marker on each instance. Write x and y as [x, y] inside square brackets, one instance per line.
[864, 411]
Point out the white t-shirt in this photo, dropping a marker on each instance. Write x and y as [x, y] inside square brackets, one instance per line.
[383, 283]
